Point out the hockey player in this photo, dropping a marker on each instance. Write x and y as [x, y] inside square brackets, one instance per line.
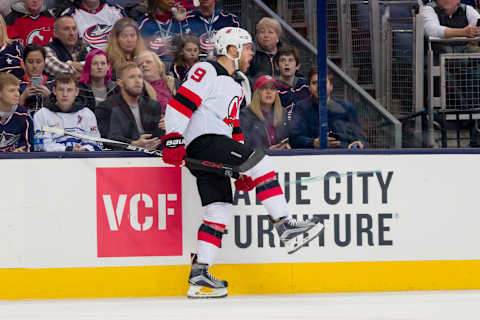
[203, 116]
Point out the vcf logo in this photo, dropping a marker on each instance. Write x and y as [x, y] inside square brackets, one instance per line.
[40, 36]
[136, 203]
[139, 212]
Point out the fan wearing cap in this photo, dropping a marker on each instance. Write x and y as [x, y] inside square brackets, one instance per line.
[202, 121]
[264, 122]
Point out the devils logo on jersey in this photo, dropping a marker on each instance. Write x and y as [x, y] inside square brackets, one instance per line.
[233, 108]
[39, 35]
[97, 35]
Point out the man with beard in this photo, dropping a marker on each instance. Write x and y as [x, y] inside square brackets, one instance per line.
[202, 121]
[128, 116]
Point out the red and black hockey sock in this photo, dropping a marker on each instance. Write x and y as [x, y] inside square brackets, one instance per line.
[211, 232]
[268, 190]
[209, 241]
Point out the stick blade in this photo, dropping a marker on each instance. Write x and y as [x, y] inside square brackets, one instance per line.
[52, 130]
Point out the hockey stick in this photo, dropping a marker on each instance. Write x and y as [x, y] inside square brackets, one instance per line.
[210, 166]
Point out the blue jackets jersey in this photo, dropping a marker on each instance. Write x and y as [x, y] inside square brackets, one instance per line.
[160, 33]
[94, 26]
[11, 58]
[289, 95]
[16, 130]
[205, 27]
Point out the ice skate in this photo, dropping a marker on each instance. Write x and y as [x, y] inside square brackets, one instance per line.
[297, 233]
[204, 285]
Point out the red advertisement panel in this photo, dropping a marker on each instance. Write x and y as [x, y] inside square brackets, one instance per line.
[139, 212]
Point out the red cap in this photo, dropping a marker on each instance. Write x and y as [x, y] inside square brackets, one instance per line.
[263, 80]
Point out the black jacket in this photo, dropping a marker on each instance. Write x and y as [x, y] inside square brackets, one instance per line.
[255, 132]
[86, 96]
[262, 63]
[115, 119]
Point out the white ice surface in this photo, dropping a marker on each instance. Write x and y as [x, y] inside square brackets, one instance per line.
[431, 305]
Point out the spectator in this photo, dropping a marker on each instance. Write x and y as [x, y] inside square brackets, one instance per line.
[449, 18]
[268, 35]
[11, 52]
[95, 19]
[344, 127]
[186, 55]
[153, 71]
[124, 43]
[205, 20]
[16, 126]
[264, 122]
[160, 25]
[63, 113]
[35, 89]
[95, 84]
[6, 7]
[472, 3]
[66, 51]
[291, 89]
[128, 116]
[30, 22]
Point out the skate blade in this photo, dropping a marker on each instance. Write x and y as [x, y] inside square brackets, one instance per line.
[299, 241]
[201, 292]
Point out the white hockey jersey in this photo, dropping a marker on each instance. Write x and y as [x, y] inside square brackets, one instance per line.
[82, 121]
[208, 102]
[95, 26]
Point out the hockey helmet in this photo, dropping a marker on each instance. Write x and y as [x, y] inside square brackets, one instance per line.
[230, 36]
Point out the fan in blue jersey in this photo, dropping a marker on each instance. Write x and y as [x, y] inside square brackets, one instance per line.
[160, 25]
[35, 87]
[11, 52]
[16, 127]
[205, 20]
[292, 88]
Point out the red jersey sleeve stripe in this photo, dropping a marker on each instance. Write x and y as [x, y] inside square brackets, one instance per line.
[175, 104]
[190, 95]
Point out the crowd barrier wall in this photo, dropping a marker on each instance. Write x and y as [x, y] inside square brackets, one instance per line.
[125, 226]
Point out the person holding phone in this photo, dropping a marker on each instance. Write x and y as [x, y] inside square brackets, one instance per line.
[35, 87]
[264, 122]
[344, 127]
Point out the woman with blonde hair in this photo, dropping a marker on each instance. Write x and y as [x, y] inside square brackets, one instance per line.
[268, 32]
[124, 43]
[11, 52]
[264, 122]
[154, 74]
